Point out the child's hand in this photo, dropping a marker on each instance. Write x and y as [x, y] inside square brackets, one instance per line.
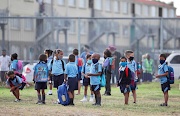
[89, 74]
[136, 78]
[127, 86]
[12, 89]
[65, 80]
[157, 76]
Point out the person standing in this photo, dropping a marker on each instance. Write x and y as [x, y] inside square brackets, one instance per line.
[4, 62]
[148, 68]
[117, 56]
[86, 51]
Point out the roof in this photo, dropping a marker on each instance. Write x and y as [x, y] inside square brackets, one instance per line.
[154, 3]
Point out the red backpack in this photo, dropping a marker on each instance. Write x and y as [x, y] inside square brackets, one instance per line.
[80, 64]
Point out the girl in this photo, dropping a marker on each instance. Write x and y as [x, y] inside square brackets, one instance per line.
[13, 66]
[86, 80]
[124, 79]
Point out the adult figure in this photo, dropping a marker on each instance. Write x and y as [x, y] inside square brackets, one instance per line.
[4, 62]
[86, 51]
[117, 56]
[148, 68]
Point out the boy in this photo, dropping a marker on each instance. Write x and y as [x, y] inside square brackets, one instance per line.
[13, 66]
[162, 75]
[95, 72]
[131, 64]
[41, 77]
[86, 80]
[79, 63]
[15, 83]
[71, 72]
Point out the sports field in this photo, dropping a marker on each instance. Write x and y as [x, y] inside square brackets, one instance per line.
[149, 96]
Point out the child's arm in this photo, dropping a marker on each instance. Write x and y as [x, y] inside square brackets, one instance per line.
[163, 75]
[34, 76]
[65, 78]
[106, 63]
[97, 74]
[13, 88]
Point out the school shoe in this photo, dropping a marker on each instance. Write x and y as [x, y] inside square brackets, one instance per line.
[17, 100]
[91, 99]
[43, 102]
[57, 102]
[107, 94]
[49, 93]
[39, 102]
[84, 100]
[71, 102]
[163, 104]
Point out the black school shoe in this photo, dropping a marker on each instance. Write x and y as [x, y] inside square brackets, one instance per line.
[107, 94]
[39, 102]
[71, 102]
[163, 104]
[43, 102]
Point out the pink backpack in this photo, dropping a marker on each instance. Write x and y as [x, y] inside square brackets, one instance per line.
[19, 65]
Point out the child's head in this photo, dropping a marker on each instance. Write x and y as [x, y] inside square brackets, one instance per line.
[88, 58]
[107, 53]
[129, 54]
[42, 57]
[86, 48]
[48, 52]
[162, 58]
[71, 58]
[14, 56]
[95, 58]
[10, 74]
[75, 52]
[59, 54]
[123, 61]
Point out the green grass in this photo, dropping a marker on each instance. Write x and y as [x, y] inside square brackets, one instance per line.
[149, 96]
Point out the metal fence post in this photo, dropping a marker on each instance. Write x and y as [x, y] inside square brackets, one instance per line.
[161, 35]
[79, 35]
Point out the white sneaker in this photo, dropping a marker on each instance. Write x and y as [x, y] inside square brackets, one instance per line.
[91, 99]
[49, 93]
[84, 100]
[16, 100]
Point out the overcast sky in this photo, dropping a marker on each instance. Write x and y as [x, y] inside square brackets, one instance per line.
[176, 4]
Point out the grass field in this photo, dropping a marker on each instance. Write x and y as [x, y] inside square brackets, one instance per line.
[149, 96]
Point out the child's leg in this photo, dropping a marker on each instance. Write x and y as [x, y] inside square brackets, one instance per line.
[43, 95]
[39, 94]
[134, 95]
[73, 94]
[91, 93]
[70, 93]
[98, 95]
[85, 91]
[166, 97]
[79, 87]
[126, 97]
[16, 93]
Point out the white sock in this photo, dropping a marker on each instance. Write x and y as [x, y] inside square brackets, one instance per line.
[50, 91]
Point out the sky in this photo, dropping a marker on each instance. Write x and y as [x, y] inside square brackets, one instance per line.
[176, 4]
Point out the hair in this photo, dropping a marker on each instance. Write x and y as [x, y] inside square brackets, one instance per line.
[4, 50]
[14, 55]
[10, 73]
[42, 57]
[162, 55]
[86, 46]
[128, 52]
[88, 56]
[49, 51]
[58, 51]
[123, 58]
[71, 57]
[108, 53]
[75, 51]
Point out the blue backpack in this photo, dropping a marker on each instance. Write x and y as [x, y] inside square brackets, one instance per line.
[170, 76]
[102, 76]
[41, 72]
[62, 95]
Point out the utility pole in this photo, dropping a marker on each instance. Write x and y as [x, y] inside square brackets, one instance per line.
[52, 23]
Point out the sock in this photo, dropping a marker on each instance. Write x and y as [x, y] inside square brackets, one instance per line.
[71, 101]
[96, 99]
[43, 98]
[50, 91]
[39, 97]
[99, 100]
[85, 96]
[91, 95]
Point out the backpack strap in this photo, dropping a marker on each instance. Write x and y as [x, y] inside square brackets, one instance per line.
[63, 65]
[165, 72]
[126, 71]
[84, 68]
[96, 67]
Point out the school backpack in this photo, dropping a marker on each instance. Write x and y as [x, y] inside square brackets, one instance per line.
[126, 72]
[41, 72]
[111, 65]
[170, 76]
[61, 62]
[102, 77]
[23, 82]
[62, 95]
[80, 64]
[19, 65]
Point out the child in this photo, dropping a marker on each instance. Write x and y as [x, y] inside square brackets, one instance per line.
[106, 64]
[41, 77]
[162, 75]
[71, 72]
[95, 72]
[86, 80]
[15, 83]
[131, 64]
[124, 79]
[79, 63]
[48, 53]
[13, 66]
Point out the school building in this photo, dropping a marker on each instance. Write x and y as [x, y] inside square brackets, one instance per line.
[22, 34]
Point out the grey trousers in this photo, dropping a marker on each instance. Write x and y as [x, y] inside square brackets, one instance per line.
[3, 78]
[108, 83]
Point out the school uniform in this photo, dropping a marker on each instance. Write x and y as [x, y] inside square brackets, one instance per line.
[133, 67]
[57, 71]
[165, 86]
[85, 70]
[14, 65]
[71, 70]
[14, 82]
[124, 80]
[49, 60]
[94, 80]
[79, 68]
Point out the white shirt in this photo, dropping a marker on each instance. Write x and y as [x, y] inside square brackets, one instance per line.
[4, 62]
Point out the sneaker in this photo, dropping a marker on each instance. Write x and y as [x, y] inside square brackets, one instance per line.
[43, 102]
[163, 104]
[94, 104]
[84, 100]
[39, 102]
[107, 94]
[49, 93]
[17, 100]
[91, 99]
[57, 102]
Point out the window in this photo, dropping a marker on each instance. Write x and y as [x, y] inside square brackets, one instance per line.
[48, 1]
[28, 24]
[125, 31]
[98, 4]
[116, 6]
[83, 27]
[125, 7]
[138, 9]
[15, 23]
[176, 60]
[108, 5]
[153, 11]
[172, 13]
[146, 10]
[71, 2]
[82, 3]
[61, 2]
[72, 27]
[165, 12]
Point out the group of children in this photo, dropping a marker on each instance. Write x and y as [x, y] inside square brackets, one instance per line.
[51, 67]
